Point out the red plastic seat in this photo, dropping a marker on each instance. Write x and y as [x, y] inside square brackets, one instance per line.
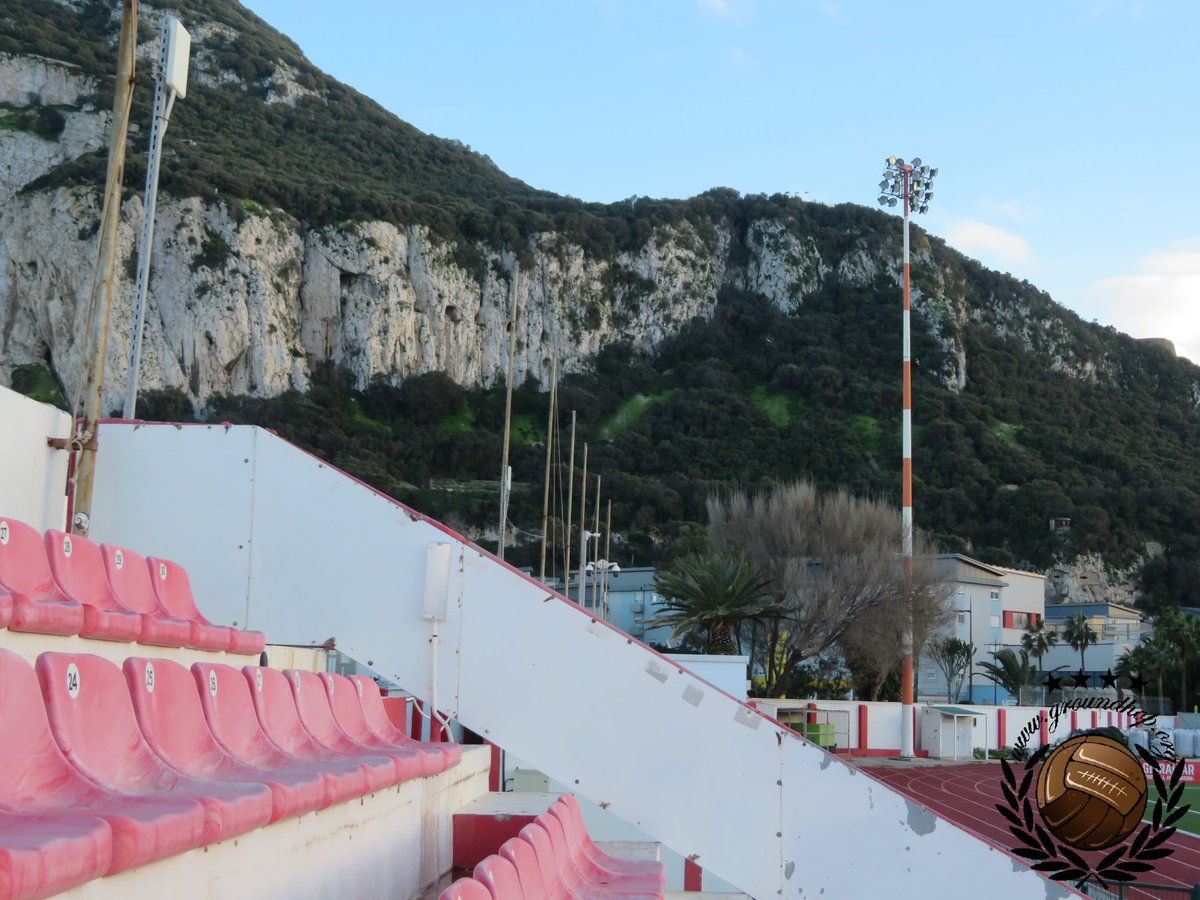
[521, 854]
[93, 722]
[229, 711]
[500, 877]
[174, 590]
[344, 702]
[172, 721]
[276, 710]
[36, 779]
[377, 720]
[43, 855]
[554, 871]
[5, 608]
[129, 578]
[466, 889]
[583, 879]
[78, 568]
[643, 872]
[312, 705]
[37, 603]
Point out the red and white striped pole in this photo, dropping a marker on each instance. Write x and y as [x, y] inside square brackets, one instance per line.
[910, 184]
[907, 743]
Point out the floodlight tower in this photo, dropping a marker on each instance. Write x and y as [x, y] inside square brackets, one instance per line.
[912, 185]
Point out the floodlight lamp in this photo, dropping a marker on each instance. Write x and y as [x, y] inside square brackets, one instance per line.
[929, 195]
[891, 201]
[900, 162]
[916, 162]
[589, 569]
[925, 208]
[883, 185]
[933, 173]
[891, 160]
[924, 170]
[883, 200]
[614, 570]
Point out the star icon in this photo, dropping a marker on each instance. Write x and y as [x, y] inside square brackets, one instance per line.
[1109, 679]
[1138, 683]
[1081, 679]
[1053, 683]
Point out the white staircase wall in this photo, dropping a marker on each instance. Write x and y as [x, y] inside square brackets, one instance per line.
[275, 539]
[33, 476]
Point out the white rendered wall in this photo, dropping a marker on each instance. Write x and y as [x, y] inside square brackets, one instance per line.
[33, 476]
[307, 553]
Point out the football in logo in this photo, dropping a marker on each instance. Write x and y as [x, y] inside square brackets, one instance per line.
[1091, 792]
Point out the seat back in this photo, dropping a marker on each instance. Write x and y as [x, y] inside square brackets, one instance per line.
[24, 568]
[371, 702]
[346, 705]
[169, 714]
[499, 876]
[564, 849]
[521, 854]
[78, 568]
[174, 589]
[572, 826]
[547, 856]
[92, 720]
[276, 710]
[466, 889]
[312, 705]
[129, 578]
[229, 711]
[34, 774]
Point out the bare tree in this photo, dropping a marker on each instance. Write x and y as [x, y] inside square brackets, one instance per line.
[953, 656]
[829, 558]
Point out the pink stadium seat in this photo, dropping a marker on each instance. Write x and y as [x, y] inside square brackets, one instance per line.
[43, 855]
[92, 720]
[583, 879]
[647, 872]
[499, 876]
[280, 720]
[37, 603]
[5, 608]
[553, 871]
[377, 720]
[521, 854]
[466, 889]
[168, 711]
[229, 711]
[78, 569]
[36, 779]
[174, 590]
[129, 578]
[348, 713]
[312, 704]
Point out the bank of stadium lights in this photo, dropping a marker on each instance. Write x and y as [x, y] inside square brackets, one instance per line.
[910, 184]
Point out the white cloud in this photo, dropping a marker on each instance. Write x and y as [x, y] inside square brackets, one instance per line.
[989, 243]
[1162, 301]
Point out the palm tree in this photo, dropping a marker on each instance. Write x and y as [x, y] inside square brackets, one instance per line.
[1080, 635]
[713, 595]
[1010, 671]
[1038, 640]
[1182, 633]
[1152, 656]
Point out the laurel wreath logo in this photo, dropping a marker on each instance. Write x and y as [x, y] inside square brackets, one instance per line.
[1062, 863]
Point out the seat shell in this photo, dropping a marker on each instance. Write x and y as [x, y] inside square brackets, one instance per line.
[37, 779]
[174, 591]
[276, 710]
[168, 710]
[93, 722]
[521, 854]
[650, 874]
[377, 720]
[41, 855]
[500, 877]
[466, 889]
[37, 603]
[78, 568]
[344, 702]
[229, 711]
[129, 578]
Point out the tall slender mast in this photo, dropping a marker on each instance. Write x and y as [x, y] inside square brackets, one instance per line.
[596, 569]
[549, 445]
[100, 300]
[505, 469]
[608, 560]
[912, 185]
[579, 594]
[570, 513]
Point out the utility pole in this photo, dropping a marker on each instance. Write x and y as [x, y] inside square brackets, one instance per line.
[505, 468]
[84, 443]
[550, 416]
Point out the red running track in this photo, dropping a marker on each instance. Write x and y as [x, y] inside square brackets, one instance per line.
[967, 795]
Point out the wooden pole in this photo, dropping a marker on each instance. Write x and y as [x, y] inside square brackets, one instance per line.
[608, 558]
[596, 531]
[570, 513]
[100, 302]
[580, 596]
[549, 445]
[505, 471]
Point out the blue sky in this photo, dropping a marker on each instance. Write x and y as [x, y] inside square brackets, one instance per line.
[1067, 132]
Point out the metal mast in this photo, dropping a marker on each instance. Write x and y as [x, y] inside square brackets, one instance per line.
[912, 185]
